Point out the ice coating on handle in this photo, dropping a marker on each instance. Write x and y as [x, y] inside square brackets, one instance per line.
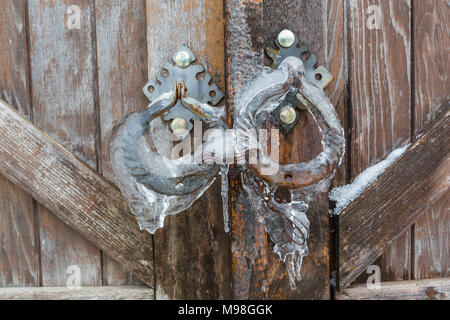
[155, 185]
[286, 221]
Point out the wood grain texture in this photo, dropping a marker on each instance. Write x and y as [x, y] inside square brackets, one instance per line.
[122, 72]
[84, 293]
[431, 70]
[257, 271]
[19, 251]
[432, 239]
[435, 289]
[192, 250]
[380, 100]
[73, 191]
[379, 216]
[63, 95]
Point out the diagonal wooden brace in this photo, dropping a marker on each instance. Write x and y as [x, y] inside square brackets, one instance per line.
[73, 192]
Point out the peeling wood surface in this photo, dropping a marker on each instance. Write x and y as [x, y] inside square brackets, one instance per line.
[378, 217]
[432, 69]
[434, 289]
[73, 191]
[19, 251]
[83, 293]
[192, 250]
[257, 271]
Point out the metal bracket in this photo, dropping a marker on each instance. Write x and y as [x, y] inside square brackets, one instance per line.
[288, 46]
[182, 69]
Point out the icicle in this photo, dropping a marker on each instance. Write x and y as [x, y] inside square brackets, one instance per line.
[224, 193]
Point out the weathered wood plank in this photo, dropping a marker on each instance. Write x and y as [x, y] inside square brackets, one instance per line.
[380, 98]
[19, 253]
[431, 75]
[432, 241]
[83, 293]
[73, 191]
[337, 92]
[379, 216]
[257, 271]
[192, 250]
[435, 289]
[63, 95]
[122, 72]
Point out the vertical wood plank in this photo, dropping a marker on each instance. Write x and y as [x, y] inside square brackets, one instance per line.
[431, 72]
[19, 250]
[257, 271]
[245, 55]
[63, 94]
[192, 250]
[432, 238]
[337, 92]
[122, 72]
[379, 79]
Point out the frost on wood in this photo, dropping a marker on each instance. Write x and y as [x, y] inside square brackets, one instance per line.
[284, 217]
[346, 194]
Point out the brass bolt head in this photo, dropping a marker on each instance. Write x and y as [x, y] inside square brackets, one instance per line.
[183, 59]
[286, 38]
[178, 126]
[288, 115]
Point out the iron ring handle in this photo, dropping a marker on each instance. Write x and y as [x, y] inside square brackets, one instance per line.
[263, 96]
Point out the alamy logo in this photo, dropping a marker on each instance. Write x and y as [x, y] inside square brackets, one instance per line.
[374, 19]
[374, 280]
[73, 17]
[74, 279]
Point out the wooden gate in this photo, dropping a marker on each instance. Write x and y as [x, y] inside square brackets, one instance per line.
[72, 69]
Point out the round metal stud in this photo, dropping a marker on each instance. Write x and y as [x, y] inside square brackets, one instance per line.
[288, 115]
[178, 126]
[286, 38]
[183, 59]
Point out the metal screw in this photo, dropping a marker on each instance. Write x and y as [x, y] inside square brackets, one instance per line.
[178, 126]
[286, 38]
[288, 115]
[183, 59]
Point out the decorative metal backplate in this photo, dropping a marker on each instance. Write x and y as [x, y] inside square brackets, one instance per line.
[319, 76]
[201, 89]
[316, 75]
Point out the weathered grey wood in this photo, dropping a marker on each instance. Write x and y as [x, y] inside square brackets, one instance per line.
[73, 191]
[395, 201]
[63, 96]
[122, 72]
[192, 250]
[431, 75]
[19, 253]
[434, 289]
[251, 26]
[83, 293]
[379, 62]
[432, 241]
